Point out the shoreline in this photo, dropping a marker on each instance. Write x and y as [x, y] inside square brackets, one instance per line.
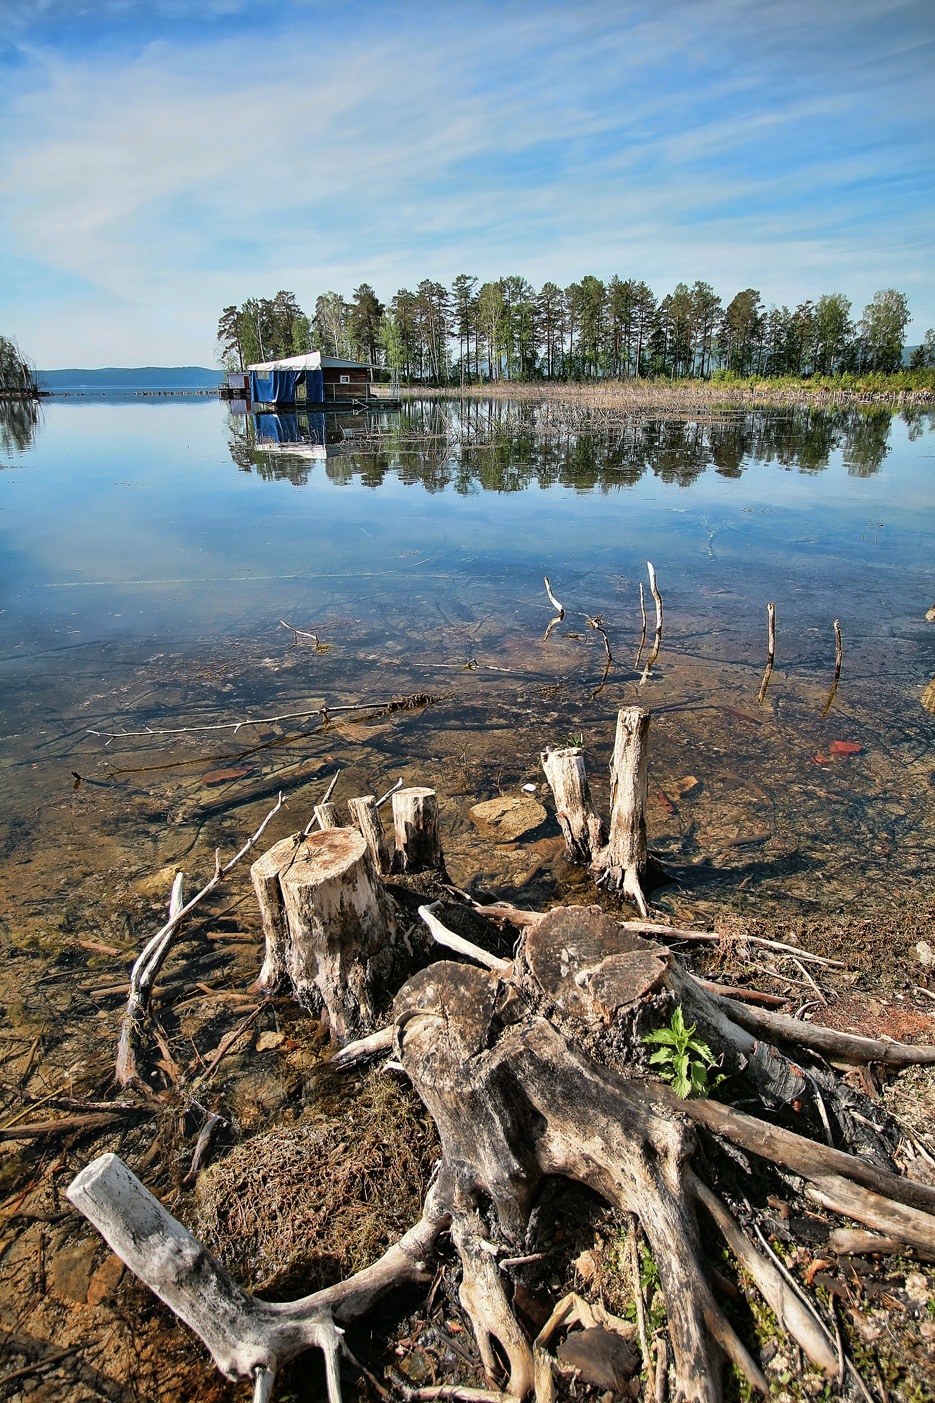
[681, 396]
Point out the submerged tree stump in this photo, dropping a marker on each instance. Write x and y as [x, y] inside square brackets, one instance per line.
[415, 824]
[581, 824]
[341, 928]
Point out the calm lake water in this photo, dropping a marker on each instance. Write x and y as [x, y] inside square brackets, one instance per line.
[153, 550]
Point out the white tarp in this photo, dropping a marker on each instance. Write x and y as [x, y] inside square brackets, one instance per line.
[312, 361]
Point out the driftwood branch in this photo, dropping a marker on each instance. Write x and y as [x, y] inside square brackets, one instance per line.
[770, 650]
[146, 969]
[657, 637]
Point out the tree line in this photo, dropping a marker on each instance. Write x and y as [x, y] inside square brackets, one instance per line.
[474, 333]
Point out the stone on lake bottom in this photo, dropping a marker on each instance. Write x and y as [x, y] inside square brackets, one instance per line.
[507, 818]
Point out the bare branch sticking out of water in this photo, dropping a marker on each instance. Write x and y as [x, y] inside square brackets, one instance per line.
[150, 961]
[306, 633]
[639, 651]
[838, 660]
[556, 605]
[597, 623]
[771, 650]
[657, 638]
[324, 800]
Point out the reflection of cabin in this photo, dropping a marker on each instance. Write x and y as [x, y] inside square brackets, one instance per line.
[312, 379]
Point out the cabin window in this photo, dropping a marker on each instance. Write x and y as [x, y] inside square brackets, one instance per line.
[345, 379]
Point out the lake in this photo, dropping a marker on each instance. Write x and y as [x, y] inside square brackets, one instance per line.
[172, 572]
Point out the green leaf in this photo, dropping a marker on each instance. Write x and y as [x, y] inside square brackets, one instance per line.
[662, 1035]
[681, 1086]
[663, 1055]
[702, 1049]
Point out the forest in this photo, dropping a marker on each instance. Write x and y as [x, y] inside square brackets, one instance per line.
[590, 330]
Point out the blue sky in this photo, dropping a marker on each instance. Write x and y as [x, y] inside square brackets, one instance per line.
[159, 160]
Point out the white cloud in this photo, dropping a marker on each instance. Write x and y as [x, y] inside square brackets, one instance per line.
[146, 188]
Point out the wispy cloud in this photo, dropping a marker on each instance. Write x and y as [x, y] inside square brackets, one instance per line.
[155, 168]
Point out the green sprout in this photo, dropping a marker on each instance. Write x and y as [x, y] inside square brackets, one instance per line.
[683, 1060]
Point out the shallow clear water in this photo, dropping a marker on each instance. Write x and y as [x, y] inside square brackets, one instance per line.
[152, 550]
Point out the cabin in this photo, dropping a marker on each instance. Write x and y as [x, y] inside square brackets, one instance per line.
[312, 379]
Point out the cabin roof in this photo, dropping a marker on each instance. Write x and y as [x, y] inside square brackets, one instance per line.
[314, 360]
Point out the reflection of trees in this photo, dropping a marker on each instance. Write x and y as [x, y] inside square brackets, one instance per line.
[507, 446]
[867, 446]
[19, 424]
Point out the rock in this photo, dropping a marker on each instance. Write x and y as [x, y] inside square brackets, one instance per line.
[72, 1267]
[930, 614]
[601, 1357]
[925, 954]
[505, 819]
[266, 1041]
[105, 1280]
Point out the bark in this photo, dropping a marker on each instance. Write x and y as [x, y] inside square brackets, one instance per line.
[341, 929]
[264, 874]
[623, 863]
[366, 818]
[581, 824]
[415, 822]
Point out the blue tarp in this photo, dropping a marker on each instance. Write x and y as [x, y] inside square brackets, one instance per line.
[277, 387]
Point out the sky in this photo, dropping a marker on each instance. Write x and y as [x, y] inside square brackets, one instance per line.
[161, 159]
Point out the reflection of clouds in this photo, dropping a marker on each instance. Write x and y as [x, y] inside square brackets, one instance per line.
[710, 140]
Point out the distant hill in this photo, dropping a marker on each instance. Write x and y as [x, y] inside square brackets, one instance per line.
[146, 377]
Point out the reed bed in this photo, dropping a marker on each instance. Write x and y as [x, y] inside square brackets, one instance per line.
[683, 397]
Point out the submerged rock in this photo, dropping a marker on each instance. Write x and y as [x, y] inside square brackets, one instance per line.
[507, 818]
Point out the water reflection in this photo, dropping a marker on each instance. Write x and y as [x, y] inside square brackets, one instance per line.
[503, 446]
[19, 423]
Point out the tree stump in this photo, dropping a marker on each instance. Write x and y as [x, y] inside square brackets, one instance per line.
[341, 940]
[623, 863]
[264, 874]
[326, 815]
[582, 826]
[366, 818]
[415, 823]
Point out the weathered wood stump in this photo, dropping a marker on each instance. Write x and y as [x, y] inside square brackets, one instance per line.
[326, 815]
[366, 819]
[415, 824]
[340, 946]
[623, 863]
[581, 824]
[264, 874]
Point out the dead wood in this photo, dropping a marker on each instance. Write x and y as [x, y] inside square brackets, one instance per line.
[770, 650]
[365, 816]
[146, 969]
[582, 826]
[342, 930]
[531, 1069]
[623, 864]
[415, 824]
